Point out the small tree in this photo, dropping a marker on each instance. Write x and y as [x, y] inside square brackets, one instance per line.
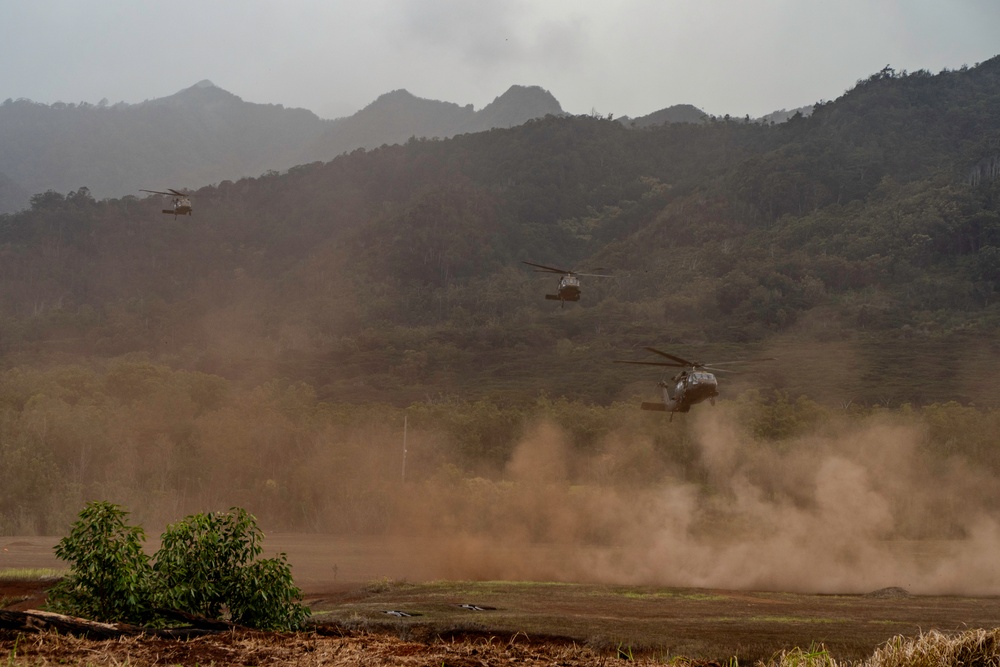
[109, 579]
[264, 596]
[207, 565]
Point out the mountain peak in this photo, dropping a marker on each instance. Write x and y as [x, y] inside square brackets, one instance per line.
[678, 113]
[519, 105]
[394, 97]
[199, 93]
[526, 90]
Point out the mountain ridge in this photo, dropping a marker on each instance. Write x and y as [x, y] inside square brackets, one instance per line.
[206, 134]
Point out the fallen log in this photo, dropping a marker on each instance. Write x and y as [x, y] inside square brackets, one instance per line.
[35, 621]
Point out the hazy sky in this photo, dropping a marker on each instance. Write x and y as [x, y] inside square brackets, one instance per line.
[627, 57]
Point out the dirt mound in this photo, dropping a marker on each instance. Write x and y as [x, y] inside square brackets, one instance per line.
[18, 595]
[890, 592]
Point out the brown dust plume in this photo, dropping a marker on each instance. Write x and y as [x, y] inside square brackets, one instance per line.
[850, 508]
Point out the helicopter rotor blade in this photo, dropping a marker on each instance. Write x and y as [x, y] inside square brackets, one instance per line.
[650, 363]
[712, 369]
[682, 362]
[742, 361]
[550, 269]
[170, 192]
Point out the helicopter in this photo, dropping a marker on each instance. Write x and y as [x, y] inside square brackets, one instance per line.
[694, 384]
[181, 203]
[569, 283]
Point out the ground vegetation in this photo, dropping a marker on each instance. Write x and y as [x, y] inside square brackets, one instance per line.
[207, 565]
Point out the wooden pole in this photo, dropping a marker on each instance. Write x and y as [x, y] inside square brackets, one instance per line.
[404, 447]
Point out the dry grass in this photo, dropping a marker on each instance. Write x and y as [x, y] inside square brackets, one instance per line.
[811, 657]
[930, 649]
[297, 649]
[973, 647]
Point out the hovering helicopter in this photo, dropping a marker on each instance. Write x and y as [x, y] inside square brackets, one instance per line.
[569, 283]
[181, 203]
[692, 385]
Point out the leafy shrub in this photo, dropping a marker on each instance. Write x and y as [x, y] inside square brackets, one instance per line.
[264, 596]
[207, 565]
[110, 575]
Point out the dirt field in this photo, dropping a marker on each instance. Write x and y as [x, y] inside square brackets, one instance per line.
[366, 612]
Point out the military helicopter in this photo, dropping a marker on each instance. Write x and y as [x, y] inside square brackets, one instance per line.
[569, 283]
[692, 385]
[181, 203]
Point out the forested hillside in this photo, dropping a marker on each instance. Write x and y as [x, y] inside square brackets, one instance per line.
[265, 350]
[862, 241]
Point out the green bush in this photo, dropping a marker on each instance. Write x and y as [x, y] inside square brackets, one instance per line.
[206, 565]
[110, 575]
[264, 596]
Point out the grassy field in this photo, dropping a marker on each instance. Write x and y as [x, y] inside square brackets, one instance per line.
[662, 622]
[496, 622]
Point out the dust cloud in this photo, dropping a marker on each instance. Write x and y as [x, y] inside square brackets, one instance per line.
[851, 508]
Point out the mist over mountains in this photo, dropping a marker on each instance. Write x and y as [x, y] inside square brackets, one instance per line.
[204, 134]
[398, 116]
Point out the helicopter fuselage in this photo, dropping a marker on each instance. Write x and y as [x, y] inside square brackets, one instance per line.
[685, 389]
[694, 384]
[569, 289]
[181, 205]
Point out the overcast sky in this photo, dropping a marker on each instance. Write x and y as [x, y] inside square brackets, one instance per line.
[628, 57]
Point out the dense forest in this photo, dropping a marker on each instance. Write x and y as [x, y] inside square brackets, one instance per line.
[859, 245]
